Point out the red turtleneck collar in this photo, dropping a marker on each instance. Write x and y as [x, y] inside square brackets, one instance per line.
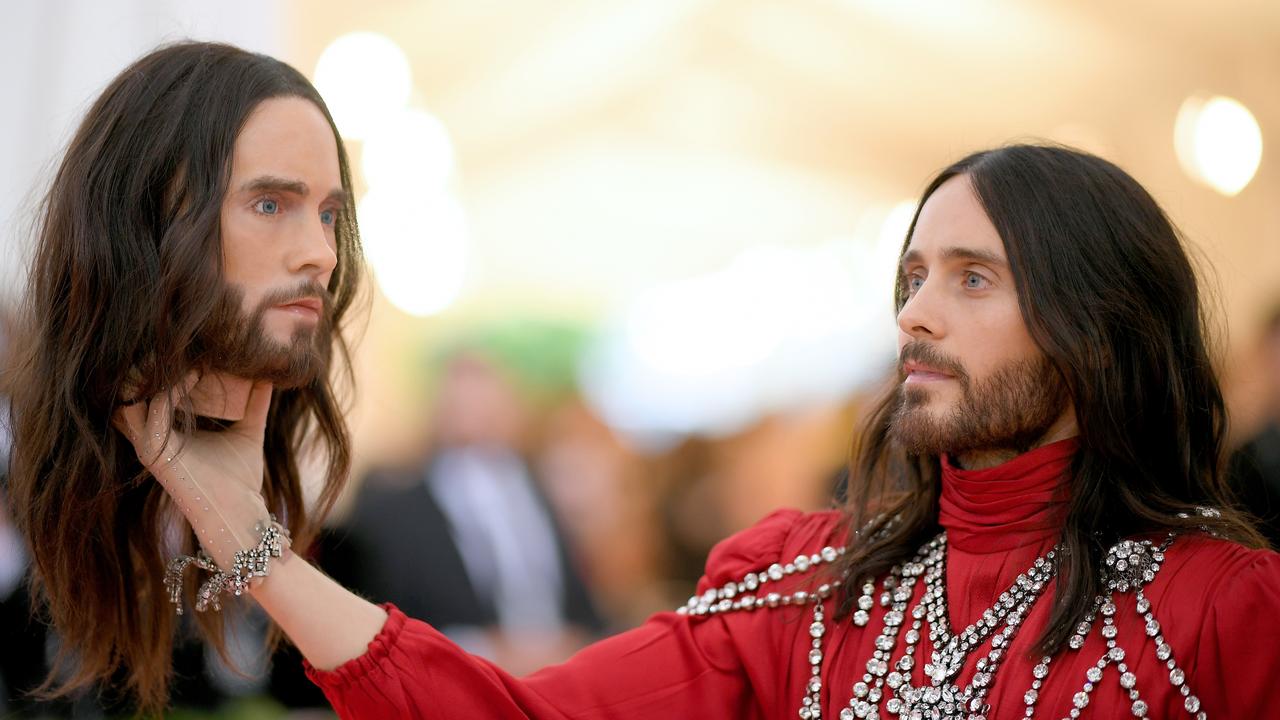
[1014, 504]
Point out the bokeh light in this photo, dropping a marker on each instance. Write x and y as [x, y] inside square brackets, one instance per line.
[1218, 143]
[363, 76]
[410, 148]
[893, 229]
[417, 247]
[777, 329]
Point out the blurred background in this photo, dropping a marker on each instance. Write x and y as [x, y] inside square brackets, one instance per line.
[632, 260]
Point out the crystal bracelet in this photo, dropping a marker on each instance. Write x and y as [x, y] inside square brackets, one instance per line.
[246, 566]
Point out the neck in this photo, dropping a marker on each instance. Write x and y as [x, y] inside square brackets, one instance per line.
[1019, 503]
[221, 396]
[983, 458]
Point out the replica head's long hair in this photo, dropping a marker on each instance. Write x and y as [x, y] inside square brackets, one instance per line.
[126, 274]
[1109, 295]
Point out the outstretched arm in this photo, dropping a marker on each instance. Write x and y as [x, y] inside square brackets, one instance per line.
[371, 663]
[329, 624]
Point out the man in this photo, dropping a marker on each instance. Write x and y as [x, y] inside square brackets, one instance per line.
[198, 241]
[1045, 475]
[464, 539]
[1255, 467]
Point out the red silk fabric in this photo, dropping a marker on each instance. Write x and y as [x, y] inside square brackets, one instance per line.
[1218, 605]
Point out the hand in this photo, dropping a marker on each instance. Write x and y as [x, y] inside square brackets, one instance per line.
[214, 478]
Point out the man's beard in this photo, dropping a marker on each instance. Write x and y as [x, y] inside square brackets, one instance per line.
[238, 344]
[1010, 410]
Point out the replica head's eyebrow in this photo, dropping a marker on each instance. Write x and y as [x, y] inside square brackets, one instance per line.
[293, 187]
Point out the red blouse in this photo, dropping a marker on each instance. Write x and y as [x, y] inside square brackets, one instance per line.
[1218, 605]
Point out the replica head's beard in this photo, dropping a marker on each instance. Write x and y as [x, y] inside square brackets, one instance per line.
[237, 343]
[1012, 409]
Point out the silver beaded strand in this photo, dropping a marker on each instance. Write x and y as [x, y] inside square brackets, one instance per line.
[733, 595]
[1129, 566]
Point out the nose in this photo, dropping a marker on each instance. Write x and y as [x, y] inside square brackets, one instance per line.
[314, 254]
[921, 316]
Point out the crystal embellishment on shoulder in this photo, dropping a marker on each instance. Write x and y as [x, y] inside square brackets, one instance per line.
[888, 687]
[1128, 567]
[737, 595]
[1131, 564]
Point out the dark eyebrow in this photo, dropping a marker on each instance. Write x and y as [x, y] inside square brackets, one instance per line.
[959, 253]
[293, 187]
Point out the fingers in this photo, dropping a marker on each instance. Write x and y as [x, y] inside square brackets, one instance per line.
[160, 432]
[140, 422]
[130, 420]
[157, 428]
[255, 410]
[149, 424]
[188, 381]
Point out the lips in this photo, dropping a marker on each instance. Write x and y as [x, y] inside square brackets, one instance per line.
[310, 307]
[919, 372]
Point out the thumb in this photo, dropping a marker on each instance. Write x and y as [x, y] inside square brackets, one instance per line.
[256, 409]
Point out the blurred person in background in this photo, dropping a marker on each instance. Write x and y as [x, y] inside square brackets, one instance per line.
[604, 498]
[1255, 467]
[466, 539]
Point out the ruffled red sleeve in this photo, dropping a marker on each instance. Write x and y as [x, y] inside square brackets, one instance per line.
[668, 667]
[1235, 663]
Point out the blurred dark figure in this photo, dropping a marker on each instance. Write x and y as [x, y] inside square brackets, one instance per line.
[1255, 468]
[22, 641]
[466, 539]
[22, 664]
[201, 680]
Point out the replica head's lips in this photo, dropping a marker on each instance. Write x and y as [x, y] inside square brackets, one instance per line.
[307, 302]
[306, 305]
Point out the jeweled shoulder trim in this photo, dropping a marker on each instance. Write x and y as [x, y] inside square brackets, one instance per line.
[743, 595]
[1128, 567]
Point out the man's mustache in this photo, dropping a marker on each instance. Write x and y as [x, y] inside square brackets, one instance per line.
[300, 291]
[926, 354]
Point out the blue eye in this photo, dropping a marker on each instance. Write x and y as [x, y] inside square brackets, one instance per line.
[328, 217]
[973, 281]
[913, 283]
[267, 206]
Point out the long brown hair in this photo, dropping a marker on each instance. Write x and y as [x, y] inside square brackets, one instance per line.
[126, 274]
[1108, 293]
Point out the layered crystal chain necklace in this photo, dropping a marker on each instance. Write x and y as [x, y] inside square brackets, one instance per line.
[941, 698]
[887, 684]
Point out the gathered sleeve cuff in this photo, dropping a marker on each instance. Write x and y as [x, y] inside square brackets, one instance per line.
[374, 660]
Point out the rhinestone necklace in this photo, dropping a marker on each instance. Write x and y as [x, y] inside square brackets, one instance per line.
[1129, 566]
[940, 698]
